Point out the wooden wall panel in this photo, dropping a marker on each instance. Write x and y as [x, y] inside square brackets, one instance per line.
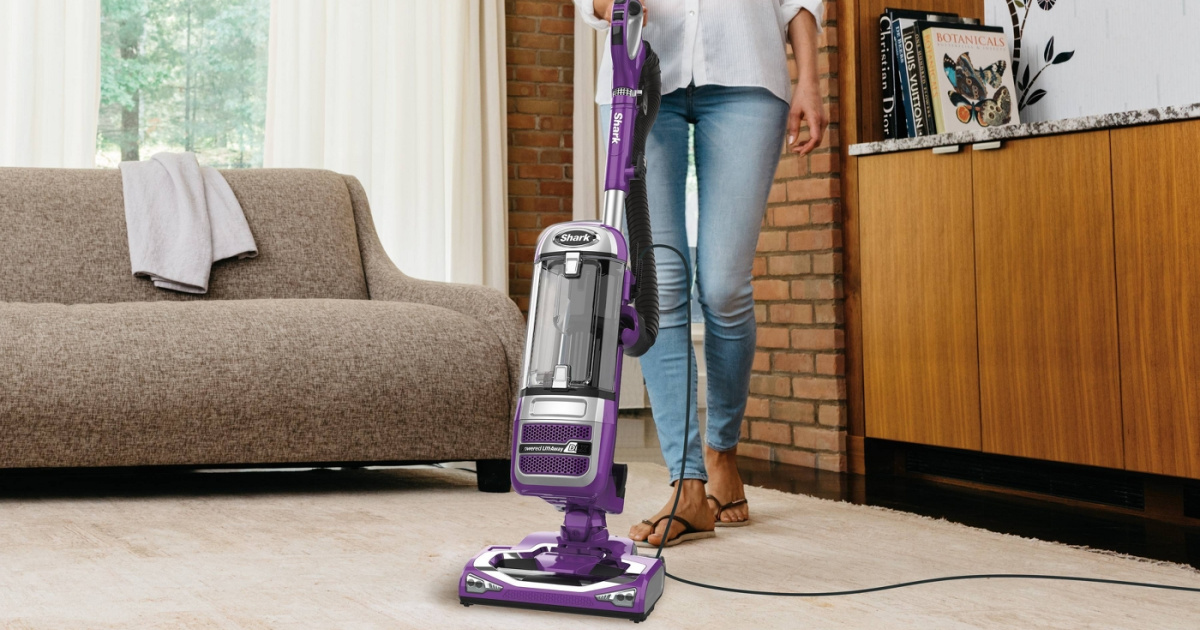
[921, 382]
[1049, 373]
[867, 26]
[1156, 186]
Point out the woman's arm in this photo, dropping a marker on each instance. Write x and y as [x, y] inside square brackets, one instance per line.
[806, 97]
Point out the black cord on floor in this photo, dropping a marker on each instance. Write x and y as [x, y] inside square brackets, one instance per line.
[687, 418]
[950, 578]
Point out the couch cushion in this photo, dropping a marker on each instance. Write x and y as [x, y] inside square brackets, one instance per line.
[64, 239]
[249, 381]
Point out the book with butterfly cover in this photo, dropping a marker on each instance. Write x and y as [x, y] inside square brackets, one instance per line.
[970, 74]
[902, 114]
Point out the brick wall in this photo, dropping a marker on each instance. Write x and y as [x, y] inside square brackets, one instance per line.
[797, 409]
[540, 51]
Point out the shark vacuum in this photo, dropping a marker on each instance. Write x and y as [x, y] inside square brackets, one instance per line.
[595, 299]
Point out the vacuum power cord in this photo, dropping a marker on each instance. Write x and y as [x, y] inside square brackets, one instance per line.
[687, 418]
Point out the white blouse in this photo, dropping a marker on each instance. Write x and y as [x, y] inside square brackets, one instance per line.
[713, 42]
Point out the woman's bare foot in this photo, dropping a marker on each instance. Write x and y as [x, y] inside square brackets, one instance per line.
[693, 508]
[725, 484]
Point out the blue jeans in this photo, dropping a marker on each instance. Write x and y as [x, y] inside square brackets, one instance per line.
[738, 142]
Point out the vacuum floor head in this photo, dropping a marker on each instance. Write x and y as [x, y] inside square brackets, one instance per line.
[540, 574]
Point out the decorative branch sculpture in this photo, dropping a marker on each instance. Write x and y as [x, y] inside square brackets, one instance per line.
[1029, 96]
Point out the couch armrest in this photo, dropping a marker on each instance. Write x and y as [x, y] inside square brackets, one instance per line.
[385, 281]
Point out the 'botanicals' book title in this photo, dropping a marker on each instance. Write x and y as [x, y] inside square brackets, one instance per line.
[970, 75]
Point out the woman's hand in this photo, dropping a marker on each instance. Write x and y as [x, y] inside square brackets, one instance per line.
[808, 108]
[806, 97]
[603, 9]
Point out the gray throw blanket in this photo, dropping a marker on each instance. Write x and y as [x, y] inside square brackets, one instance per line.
[181, 219]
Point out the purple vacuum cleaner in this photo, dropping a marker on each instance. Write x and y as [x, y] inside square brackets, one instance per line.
[595, 299]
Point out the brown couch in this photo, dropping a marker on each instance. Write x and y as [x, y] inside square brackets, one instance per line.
[317, 351]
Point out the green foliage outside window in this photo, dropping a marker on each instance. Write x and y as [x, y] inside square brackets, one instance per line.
[183, 75]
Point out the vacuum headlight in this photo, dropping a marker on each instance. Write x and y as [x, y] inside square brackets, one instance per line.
[476, 584]
[623, 599]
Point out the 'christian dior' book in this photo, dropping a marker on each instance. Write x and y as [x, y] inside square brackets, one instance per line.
[970, 73]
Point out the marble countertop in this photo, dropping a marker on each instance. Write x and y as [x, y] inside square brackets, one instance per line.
[1046, 128]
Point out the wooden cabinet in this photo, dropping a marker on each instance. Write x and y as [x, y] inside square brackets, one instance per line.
[918, 299]
[1040, 300]
[1048, 361]
[1156, 186]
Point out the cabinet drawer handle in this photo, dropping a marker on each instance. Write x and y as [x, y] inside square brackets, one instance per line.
[987, 146]
[953, 148]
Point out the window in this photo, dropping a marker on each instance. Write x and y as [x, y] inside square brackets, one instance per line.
[183, 75]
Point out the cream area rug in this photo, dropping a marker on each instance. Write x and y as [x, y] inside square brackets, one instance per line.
[384, 549]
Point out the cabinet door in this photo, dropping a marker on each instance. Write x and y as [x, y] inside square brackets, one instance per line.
[918, 299]
[1156, 185]
[1048, 364]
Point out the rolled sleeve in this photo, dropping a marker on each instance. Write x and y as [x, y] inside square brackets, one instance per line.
[586, 10]
[790, 8]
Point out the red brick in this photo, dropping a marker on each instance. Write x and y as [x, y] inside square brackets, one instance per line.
[532, 7]
[791, 313]
[756, 451]
[540, 171]
[789, 216]
[762, 362]
[810, 240]
[827, 264]
[793, 362]
[556, 189]
[792, 411]
[832, 416]
[811, 188]
[817, 339]
[770, 289]
[538, 106]
[555, 156]
[521, 155]
[537, 139]
[833, 462]
[794, 457]
[535, 75]
[831, 364]
[817, 388]
[819, 439]
[789, 265]
[775, 432]
[824, 213]
[827, 313]
[758, 407]
[769, 385]
[772, 241]
[824, 163]
[815, 289]
[772, 337]
[778, 193]
[561, 27]
[520, 56]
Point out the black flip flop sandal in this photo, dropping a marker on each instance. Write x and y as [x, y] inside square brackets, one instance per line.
[688, 533]
[722, 508]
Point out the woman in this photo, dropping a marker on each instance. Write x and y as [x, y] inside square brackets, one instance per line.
[724, 70]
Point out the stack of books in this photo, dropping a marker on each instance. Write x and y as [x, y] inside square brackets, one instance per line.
[943, 73]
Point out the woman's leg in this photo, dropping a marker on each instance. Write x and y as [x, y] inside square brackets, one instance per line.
[665, 365]
[739, 139]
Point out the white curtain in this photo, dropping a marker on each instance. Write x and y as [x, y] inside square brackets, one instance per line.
[588, 154]
[409, 97]
[49, 82]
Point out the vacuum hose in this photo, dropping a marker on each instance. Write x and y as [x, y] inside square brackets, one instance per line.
[637, 212]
